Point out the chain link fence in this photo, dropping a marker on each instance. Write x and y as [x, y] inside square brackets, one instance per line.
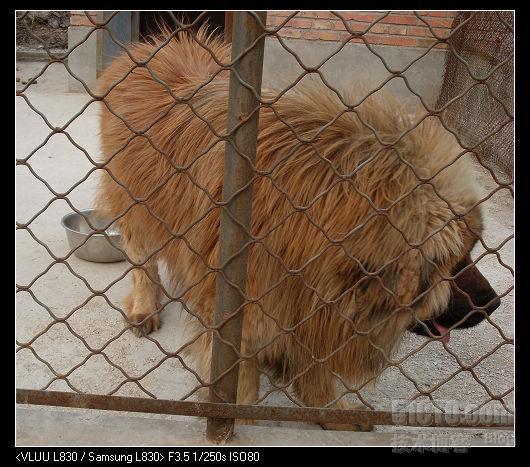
[300, 233]
[480, 77]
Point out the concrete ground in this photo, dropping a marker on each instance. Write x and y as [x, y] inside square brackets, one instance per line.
[79, 427]
[61, 165]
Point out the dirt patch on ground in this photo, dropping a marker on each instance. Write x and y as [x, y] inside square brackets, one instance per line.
[51, 27]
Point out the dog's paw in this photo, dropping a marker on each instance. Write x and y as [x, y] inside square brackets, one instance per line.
[144, 324]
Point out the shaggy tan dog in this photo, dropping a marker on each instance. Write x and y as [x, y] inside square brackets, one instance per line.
[353, 249]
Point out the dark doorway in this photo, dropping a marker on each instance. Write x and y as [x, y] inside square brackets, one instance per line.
[150, 21]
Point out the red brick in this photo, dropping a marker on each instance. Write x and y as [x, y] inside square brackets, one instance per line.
[325, 35]
[404, 41]
[442, 32]
[372, 38]
[78, 20]
[82, 13]
[280, 13]
[402, 12]
[322, 24]
[310, 35]
[422, 31]
[399, 28]
[368, 17]
[299, 23]
[338, 25]
[425, 42]
[440, 22]
[290, 32]
[440, 14]
[274, 20]
[317, 14]
[343, 35]
[354, 26]
[379, 28]
[400, 19]
[330, 35]
[389, 29]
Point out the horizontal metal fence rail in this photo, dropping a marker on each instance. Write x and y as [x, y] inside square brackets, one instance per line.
[259, 412]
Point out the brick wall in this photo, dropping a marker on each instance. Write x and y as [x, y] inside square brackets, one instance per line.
[400, 28]
[79, 18]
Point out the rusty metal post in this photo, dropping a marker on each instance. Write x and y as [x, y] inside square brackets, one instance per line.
[237, 173]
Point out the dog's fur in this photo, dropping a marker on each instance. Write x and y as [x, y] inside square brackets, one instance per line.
[327, 213]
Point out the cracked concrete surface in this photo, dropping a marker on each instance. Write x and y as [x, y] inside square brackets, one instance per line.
[61, 165]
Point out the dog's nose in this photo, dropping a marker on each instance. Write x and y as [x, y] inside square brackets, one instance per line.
[494, 302]
[490, 302]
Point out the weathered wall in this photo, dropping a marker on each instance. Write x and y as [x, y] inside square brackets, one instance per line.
[399, 38]
[356, 65]
[50, 26]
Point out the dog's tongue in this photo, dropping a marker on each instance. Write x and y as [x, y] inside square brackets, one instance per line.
[444, 332]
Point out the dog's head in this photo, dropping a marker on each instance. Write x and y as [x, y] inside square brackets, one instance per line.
[428, 283]
[433, 288]
[465, 297]
[451, 292]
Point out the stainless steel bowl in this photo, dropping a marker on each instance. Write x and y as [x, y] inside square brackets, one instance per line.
[97, 248]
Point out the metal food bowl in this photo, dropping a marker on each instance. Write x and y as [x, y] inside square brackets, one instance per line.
[97, 248]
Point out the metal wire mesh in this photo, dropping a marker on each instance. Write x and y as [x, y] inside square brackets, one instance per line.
[483, 68]
[296, 210]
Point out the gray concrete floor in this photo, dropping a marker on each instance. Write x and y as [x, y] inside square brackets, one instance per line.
[61, 165]
[79, 427]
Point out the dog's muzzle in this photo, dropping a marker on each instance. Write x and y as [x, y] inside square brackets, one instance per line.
[473, 299]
